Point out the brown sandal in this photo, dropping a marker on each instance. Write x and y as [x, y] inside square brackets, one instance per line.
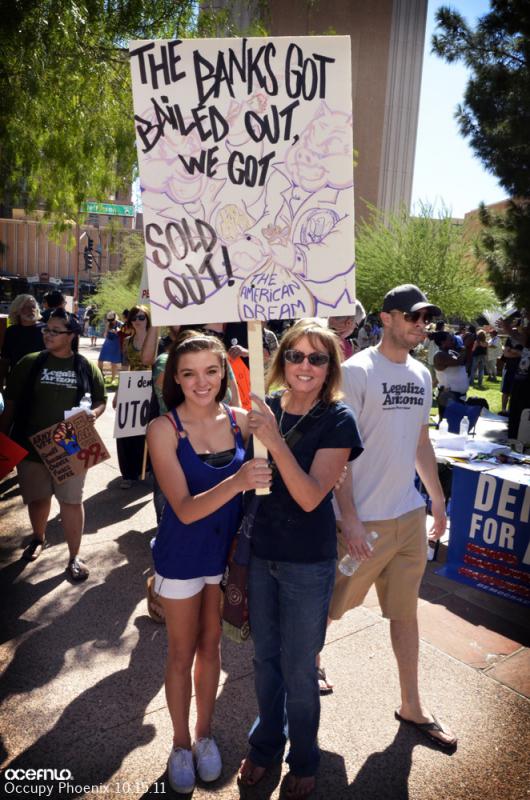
[298, 788]
[154, 608]
[249, 773]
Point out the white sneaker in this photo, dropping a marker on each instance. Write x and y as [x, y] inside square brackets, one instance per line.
[208, 759]
[180, 770]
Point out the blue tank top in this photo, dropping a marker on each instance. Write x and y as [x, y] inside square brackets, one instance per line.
[201, 548]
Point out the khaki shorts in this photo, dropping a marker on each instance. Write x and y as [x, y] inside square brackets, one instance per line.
[396, 567]
[36, 483]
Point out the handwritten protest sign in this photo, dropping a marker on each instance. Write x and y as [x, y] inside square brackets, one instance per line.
[246, 170]
[132, 408]
[11, 454]
[70, 447]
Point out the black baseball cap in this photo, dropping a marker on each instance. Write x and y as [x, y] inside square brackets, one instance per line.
[408, 298]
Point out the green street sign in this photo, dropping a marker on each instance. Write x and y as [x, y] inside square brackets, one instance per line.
[111, 209]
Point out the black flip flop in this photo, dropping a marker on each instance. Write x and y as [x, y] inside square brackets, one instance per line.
[34, 549]
[427, 729]
[323, 687]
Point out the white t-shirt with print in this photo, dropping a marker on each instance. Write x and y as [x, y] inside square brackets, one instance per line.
[391, 403]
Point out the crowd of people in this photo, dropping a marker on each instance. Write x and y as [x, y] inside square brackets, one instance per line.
[346, 413]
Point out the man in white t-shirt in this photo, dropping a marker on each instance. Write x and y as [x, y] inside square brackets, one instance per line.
[390, 393]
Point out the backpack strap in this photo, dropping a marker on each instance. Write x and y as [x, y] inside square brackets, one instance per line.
[23, 407]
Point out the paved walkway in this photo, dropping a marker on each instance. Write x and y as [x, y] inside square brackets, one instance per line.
[82, 676]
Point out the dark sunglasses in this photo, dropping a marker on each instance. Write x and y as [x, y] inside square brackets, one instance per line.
[416, 316]
[298, 357]
[139, 317]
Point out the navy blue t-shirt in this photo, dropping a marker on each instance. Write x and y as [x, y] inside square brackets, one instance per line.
[283, 531]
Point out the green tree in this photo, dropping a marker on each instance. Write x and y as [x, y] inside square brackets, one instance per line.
[495, 117]
[433, 253]
[66, 119]
[119, 290]
[505, 247]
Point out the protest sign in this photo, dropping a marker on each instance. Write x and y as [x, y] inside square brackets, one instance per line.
[132, 407]
[143, 292]
[489, 545]
[246, 170]
[68, 448]
[11, 454]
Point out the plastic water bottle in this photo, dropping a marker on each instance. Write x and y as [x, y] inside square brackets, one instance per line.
[348, 565]
[86, 402]
[443, 427]
[464, 427]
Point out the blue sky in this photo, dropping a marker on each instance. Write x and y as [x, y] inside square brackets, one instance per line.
[445, 168]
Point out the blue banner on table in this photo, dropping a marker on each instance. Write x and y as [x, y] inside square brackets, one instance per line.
[489, 546]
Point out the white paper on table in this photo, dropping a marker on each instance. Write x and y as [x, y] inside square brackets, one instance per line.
[511, 472]
[484, 446]
[450, 441]
[448, 452]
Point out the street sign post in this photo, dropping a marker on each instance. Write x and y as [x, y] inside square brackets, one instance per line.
[109, 209]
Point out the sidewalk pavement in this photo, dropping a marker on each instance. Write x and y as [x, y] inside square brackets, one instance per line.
[83, 671]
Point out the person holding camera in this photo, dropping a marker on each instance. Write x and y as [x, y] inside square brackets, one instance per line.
[111, 350]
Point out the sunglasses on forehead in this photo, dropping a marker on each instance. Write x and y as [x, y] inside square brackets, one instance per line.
[316, 359]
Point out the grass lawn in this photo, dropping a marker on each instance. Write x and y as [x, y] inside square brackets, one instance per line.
[491, 392]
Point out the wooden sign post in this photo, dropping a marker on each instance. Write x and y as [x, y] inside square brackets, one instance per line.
[257, 379]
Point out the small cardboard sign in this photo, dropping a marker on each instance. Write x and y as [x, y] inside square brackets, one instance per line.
[70, 447]
[134, 399]
[11, 454]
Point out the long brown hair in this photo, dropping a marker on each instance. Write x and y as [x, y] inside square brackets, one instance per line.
[191, 342]
[320, 337]
[133, 312]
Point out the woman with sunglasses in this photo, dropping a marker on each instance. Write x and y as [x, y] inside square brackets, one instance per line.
[294, 548]
[197, 451]
[131, 448]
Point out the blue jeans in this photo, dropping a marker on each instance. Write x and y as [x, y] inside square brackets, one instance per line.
[288, 606]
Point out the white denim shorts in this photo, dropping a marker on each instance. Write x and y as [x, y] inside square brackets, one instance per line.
[174, 589]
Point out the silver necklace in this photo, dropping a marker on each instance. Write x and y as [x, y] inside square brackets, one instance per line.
[296, 424]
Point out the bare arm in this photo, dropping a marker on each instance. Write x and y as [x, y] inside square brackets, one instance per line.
[162, 443]
[351, 525]
[306, 489]
[149, 347]
[235, 399]
[445, 359]
[428, 471]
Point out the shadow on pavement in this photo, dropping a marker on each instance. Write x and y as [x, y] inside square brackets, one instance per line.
[98, 729]
[100, 616]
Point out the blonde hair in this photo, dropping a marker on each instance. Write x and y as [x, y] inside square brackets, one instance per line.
[320, 336]
[19, 301]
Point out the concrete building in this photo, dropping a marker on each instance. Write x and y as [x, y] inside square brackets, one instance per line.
[387, 38]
